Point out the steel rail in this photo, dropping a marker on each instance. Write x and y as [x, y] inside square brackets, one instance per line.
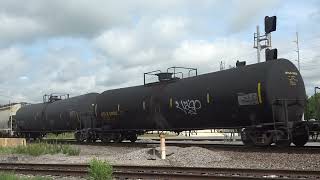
[46, 169]
[161, 172]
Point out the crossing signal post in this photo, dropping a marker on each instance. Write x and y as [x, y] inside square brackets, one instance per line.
[264, 41]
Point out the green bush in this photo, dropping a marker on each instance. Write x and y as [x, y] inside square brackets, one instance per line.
[40, 149]
[100, 170]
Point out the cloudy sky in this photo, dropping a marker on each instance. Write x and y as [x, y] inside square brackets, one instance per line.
[79, 46]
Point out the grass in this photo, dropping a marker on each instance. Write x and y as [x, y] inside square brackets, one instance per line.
[11, 176]
[100, 170]
[68, 135]
[40, 149]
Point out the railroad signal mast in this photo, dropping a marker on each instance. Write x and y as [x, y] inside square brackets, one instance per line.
[264, 41]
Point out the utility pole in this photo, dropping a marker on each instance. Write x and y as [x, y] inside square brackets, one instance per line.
[258, 44]
[298, 49]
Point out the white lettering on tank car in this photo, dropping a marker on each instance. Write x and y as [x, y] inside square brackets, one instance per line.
[292, 78]
[189, 106]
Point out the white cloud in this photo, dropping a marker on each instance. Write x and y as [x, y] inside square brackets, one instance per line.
[207, 55]
[246, 11]
[77, 18]
[170, 27]
[81, 18]
[149, 41]
[23, 78]
[117, 43]
[15, 29]
[12, 64]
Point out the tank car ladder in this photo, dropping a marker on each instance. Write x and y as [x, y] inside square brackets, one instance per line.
[285, 124]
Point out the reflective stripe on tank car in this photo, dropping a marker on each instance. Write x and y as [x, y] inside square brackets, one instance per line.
[170, 103]
[259, 93]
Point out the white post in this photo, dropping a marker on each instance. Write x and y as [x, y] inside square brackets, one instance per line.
[162, 146]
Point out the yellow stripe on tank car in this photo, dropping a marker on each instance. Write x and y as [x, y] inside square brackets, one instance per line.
[170, 102]
[259, 93]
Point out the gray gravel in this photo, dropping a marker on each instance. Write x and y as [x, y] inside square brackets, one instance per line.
[54, 177]
[196, 156]
[178, 156]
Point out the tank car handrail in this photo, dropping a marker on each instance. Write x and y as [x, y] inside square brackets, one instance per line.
[180, 67]
[178, 73]
[186, 68]
[191, 71]
[152, 72]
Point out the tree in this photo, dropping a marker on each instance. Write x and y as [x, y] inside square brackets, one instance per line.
[312, 110]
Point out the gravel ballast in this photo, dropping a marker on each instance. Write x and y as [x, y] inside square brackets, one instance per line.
[179, 156]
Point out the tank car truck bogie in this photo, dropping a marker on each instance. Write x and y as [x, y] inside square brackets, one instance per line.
[256, 136]
[282, 136]
[106, 136]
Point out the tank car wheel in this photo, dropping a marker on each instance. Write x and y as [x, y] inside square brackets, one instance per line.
[105, 139]
[300, 140]
[246, 140]
[300, 136]
[79, 138]
[91, 140]
[133, 138]
[117, 138]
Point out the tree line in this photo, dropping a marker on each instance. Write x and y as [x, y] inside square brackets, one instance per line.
[312, 110]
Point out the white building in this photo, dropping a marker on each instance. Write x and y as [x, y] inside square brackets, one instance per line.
[6, 120]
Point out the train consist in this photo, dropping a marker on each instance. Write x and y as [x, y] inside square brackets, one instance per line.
[265, 101]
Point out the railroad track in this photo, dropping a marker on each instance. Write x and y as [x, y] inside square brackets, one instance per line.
[160, 172]
[141, 143]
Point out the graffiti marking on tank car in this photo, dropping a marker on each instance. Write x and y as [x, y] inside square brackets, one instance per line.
[189, 106]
